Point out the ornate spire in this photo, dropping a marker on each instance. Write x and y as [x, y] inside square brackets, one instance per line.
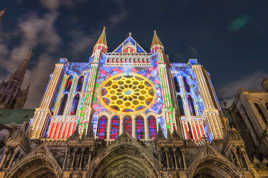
[102, 37]
[21, 70]
[2, 13]
[101, 44]
[156, 41]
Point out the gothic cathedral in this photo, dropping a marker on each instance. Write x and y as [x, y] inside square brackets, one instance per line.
[127, 113]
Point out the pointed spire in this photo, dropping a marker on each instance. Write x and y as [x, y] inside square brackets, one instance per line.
[156, 41]
[2, 13]
[21, 70]
[102, 37]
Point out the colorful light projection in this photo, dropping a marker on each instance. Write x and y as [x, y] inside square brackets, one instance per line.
[115, 127]
[127, 123]
[102, 127]
[127, 93]
[140, 127]
[152, 127]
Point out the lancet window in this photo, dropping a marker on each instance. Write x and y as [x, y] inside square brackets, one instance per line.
[177, 85]
[80, 84]
[75, 104]
[180, 104]
[186, 85]
[62, 104]
[152, 127]
[69, 83]
[191, 105]
[102, 127]
[127, 123]
[139, 127]
[115, 127]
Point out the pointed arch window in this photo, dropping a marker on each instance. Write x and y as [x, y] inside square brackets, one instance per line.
[69, 83]
[102, 126]
[139, 127]
[127, 123]
[80, 84]
[257, 106]
[62, 104]
[115, 127]
[186, 85]
[177, 85]
[191, 105]
[75, 104]
[180, 104]
[152, 127]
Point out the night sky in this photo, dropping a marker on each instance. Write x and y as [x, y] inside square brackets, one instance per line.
[229, 37]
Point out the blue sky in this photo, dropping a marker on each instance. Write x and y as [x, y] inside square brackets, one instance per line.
[228, 37]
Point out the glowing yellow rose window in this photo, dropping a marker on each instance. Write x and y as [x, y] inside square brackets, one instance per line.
[127, 93]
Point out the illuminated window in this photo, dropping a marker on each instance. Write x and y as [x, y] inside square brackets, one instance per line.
[186, 85]
[191, 105]
[180, 104]
[115, 127]
[152, 127]
[102, 125]
[68, 84]
[127, 93]
[62, 104]
[177, 86]
[127, 123]
[80, 84]
[260, 112]
[75, 104]
[139, 127]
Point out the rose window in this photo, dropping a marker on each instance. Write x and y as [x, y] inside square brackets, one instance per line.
[127, 93]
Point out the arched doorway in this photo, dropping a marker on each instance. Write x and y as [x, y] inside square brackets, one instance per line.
[213, 168]
[124, 160]
[40, 168]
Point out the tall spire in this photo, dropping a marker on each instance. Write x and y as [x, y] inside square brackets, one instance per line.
[156, 42]
[2, 13]
[21, 70]
[101, 43]
[102, 37]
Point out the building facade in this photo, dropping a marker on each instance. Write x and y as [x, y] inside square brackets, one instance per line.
[128, 113]
[250, 116]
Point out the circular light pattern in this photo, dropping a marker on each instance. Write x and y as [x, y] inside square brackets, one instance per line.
[127, 93]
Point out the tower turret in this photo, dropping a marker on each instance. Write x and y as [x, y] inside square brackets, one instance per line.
[10, 90]
[101, 44]
[156, 43]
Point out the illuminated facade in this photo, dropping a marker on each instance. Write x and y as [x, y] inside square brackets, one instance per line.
[128, 85]
[127, 113]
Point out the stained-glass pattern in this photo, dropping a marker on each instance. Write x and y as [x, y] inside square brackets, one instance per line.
[139, 127]
[115, 127]
[127, 93]
[102, 125]
[69, 84]
[152, 127]
[80, 84]
[75, 104]
[127, 123]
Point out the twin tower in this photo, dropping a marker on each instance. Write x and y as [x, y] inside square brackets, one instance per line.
[128, 91]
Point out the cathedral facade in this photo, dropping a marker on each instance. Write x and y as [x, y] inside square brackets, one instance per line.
[128, 113]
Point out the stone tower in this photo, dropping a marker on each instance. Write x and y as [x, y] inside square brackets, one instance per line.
[11, 94]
